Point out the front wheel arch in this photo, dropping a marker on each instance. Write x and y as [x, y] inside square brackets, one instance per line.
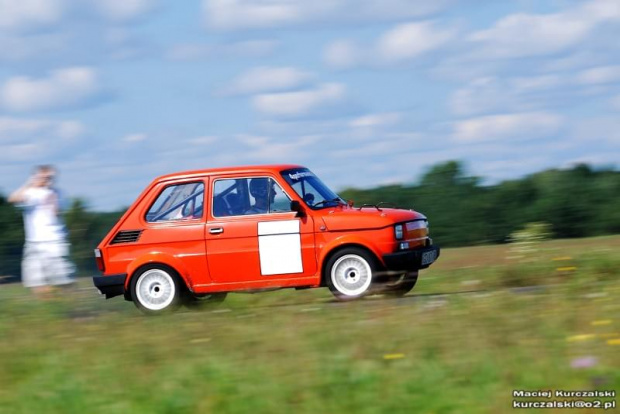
[350, 273]
[337, 250]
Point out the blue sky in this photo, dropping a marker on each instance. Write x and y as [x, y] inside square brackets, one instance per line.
[364, 92]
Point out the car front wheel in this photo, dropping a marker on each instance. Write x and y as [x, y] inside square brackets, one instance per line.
[195, 302]
[402, 286]
[156, 290]
[349, 273]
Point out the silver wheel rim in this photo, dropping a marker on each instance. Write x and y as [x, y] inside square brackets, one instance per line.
[155, 289]
[351, 275]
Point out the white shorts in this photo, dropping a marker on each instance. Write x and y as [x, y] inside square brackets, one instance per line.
[46, 263]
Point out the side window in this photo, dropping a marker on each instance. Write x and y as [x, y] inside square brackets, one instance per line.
[178, 202]
[229, 197]
[281, 202]
[245, 196]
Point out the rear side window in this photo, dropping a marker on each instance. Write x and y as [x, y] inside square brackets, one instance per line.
[178, 202]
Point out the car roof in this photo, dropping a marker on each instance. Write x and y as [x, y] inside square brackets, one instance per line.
[246, 169]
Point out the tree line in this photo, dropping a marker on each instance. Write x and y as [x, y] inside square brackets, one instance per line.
[577, 202]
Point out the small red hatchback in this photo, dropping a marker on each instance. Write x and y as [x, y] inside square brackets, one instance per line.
[195, 236]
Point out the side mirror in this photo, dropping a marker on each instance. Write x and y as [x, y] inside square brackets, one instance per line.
[298, 208]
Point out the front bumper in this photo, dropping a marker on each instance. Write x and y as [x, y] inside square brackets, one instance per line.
[412, 259]
[110, 286]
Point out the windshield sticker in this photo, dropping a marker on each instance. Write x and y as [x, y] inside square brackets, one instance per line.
[301, 174]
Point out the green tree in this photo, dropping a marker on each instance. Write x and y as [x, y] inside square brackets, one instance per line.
[12, 240]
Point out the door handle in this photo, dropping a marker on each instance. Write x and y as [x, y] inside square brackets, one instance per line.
[216, 230]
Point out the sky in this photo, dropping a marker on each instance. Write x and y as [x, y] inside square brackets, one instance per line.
[363, 92]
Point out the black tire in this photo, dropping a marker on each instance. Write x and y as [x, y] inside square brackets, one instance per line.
[156, 289]
[211, 299]
[404, 287]
[349, 273]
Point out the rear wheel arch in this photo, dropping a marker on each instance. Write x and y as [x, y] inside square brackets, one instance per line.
[169, 261]
[157, 288]
[152, 265]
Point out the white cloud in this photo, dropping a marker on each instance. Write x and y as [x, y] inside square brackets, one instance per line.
[401, 44]
[479, 96]
[35, 139]
[16, 129]
[343, 54]
[367, 125]
[24, 15]
[600, 75]
[523, 126]
[64, 88]
[521, 34]
[70, 130]
[407, 41]
[290, 104]
[376, 120]
[260, 14]
[491, 94]
[537, 83]
[527, 35]
[528, 93]
[201, 51]
[268, 79]
[384, 145]
[136, 137]
[204, 140]
[239, 14]
[18, 15]
[615, 102]
[124, 10]
[261, 149]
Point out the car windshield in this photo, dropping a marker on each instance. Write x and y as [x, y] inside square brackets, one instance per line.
[312, 190]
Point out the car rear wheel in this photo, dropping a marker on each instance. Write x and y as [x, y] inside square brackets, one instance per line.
[350, 273]
[156, 289]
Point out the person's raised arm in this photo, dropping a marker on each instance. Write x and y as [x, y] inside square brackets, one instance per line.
[19, 196]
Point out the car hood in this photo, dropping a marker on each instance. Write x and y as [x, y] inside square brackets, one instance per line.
[353, 218]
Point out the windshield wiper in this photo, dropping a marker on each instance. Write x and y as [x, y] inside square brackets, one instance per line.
[333, 200]
[378, 205]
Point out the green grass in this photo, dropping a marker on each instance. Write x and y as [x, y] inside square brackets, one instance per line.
[459, 343]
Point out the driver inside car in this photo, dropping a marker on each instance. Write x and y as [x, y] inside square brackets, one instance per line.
[263, 192]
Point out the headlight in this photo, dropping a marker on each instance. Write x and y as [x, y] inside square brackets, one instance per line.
[416, 225]
[398, 231]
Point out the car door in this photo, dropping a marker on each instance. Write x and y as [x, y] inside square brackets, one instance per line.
[254, 243]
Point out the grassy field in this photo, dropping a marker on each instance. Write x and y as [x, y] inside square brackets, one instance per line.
[480, 324]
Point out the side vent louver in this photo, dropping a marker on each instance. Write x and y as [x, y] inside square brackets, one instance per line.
[126, 236]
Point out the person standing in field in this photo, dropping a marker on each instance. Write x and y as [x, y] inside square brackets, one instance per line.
[44, 263]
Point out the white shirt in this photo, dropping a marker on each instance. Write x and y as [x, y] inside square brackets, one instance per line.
[41, 224]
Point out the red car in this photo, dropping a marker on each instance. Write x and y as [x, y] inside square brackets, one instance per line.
[198, 235]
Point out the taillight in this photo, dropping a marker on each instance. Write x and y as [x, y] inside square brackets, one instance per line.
[99, 260]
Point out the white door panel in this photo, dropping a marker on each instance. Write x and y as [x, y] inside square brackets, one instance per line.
[279, 246]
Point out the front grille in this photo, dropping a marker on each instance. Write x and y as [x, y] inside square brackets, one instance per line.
[126, 236]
